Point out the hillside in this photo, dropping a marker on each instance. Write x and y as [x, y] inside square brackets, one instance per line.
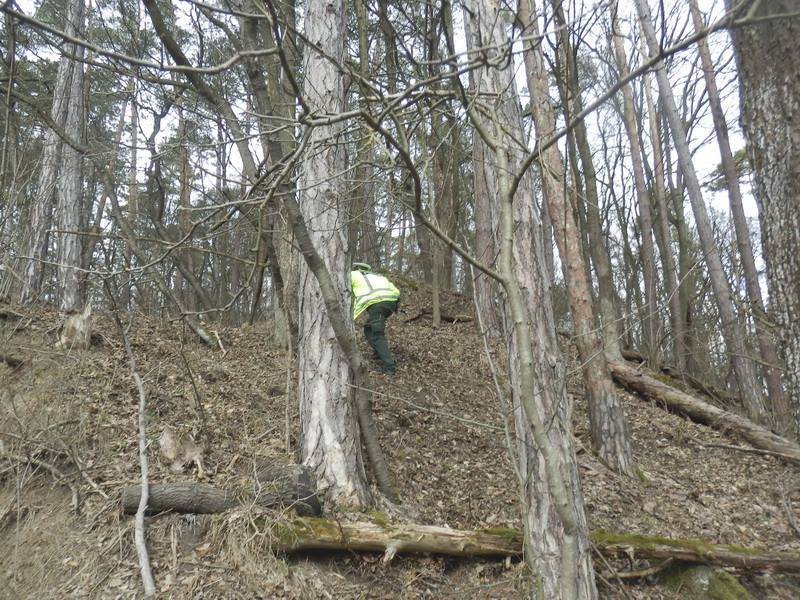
[441, 428]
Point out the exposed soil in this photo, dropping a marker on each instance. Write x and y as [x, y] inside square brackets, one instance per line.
[441, 428]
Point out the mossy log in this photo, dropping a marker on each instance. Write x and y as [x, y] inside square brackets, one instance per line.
[641, 382]
[381, 536]
[695, 551]
[274, 485]
[701, 582]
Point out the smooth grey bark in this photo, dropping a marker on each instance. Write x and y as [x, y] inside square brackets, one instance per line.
[779, 409]
[607, 419]
[769, 72]
[663, 235]
[555, 529]
[732, 329]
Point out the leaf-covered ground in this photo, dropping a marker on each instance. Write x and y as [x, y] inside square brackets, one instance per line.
[442, 430]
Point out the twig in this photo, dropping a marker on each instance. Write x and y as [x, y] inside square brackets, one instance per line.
[141, 546]
[640, 573]
[611, 574]
[219, 341]
[198, 399]
[787, 505]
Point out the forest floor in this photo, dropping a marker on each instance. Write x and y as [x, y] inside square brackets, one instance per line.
[441, 429]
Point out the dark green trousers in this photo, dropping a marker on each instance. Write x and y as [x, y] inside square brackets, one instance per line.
[374, 332]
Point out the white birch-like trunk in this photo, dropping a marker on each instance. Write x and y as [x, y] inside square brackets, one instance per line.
[330, 442]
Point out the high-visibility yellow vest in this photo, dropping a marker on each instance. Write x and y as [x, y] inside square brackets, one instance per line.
[371, 288]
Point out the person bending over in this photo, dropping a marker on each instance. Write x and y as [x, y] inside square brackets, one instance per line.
[379, 297]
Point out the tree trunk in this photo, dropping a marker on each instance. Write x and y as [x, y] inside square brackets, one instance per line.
[69, 203]
[778, 403]
[329, 440]
[645, 220]
[485, 244]
[597, 241]
[363, 217]
[769, 70]
[608, 425]
[41, 214]
[133, 199]
[555, 529]
[663, 236]
[732, 330]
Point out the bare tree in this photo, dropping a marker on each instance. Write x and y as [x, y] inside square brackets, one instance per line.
[731, 327]
[60, 162]
[642, 196]
[608, 426]
[329, 442]
[779, 409]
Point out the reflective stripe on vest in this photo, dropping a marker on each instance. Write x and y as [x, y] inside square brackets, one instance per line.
[369, 289]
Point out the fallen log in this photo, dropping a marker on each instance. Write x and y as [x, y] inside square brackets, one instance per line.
[707, 390]
[307, 533]
[639, 381]
[184, 497]
[695, 551]
[274, 485]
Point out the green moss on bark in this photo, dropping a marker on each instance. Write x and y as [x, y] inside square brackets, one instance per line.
[700, 582]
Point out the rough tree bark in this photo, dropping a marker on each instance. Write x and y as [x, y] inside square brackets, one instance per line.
[69, 203]
[65, 109]
[329, 440]
[607, 294]
[769, 70]
[732, 329]
[485, 245]
[555, 529]
[607, 419]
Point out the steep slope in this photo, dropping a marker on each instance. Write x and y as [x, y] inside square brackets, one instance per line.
[441, 425]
